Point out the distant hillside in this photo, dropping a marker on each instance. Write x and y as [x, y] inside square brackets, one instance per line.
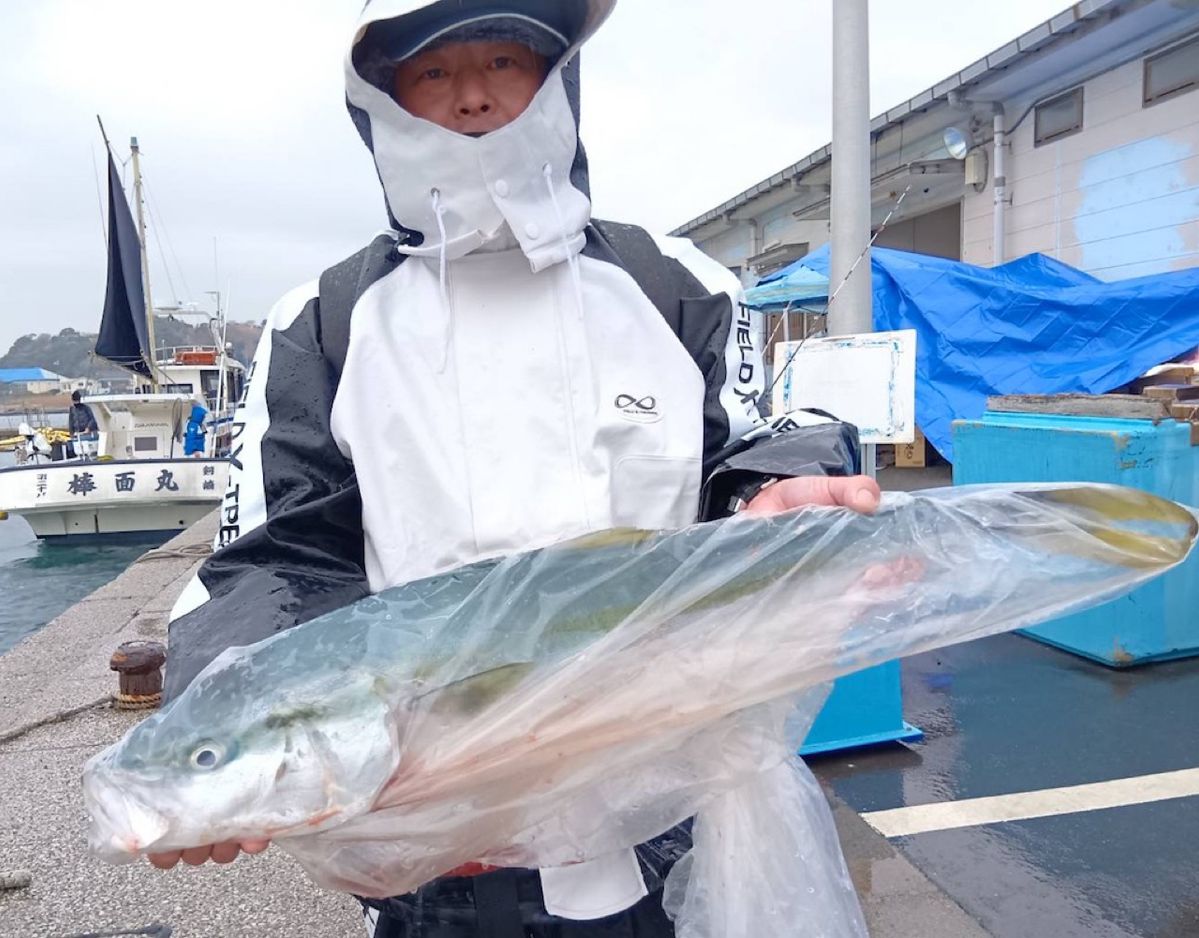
[71, 354]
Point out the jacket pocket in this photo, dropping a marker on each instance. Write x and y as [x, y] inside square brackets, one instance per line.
[655, 491]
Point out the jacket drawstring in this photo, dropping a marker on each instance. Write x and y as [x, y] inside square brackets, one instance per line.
[443, 280]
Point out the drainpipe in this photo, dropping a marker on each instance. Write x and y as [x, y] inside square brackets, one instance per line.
[757, 318]
[1000, 214]
[755, 241]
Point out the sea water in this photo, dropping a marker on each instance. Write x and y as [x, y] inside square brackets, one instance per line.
[41, 579]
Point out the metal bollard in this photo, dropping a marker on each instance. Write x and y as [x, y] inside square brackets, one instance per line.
[139, 665]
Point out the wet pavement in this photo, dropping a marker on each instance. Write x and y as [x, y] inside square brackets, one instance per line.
[1007, 714]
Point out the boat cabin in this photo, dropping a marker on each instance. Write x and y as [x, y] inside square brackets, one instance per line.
[141, 426]
[196, 372]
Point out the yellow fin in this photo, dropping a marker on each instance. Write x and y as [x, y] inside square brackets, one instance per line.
[1104, 505]
[1121, 504]
[473, 694]
[612, 537]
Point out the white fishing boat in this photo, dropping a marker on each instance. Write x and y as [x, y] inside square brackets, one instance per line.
[134, 475]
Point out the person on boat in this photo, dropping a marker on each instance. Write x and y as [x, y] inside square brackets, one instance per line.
[81, 424]
[193, 437]
[496, 372]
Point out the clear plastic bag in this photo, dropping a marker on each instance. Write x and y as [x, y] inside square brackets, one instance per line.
[562, 704]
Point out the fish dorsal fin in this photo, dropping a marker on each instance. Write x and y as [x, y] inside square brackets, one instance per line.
[611, 537]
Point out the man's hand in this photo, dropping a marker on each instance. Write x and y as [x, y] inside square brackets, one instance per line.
[218, 853]
[861, 493]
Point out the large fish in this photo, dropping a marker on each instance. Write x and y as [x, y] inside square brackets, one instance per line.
[561, 703]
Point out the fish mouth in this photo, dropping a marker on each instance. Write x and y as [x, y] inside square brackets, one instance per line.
[122, 825]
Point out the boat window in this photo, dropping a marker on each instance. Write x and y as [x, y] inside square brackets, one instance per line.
[178, 388]
[234, 385]
[210, 383]
[145, 444]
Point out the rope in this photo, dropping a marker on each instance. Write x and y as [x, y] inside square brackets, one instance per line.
[100, 200]
[866, 250]
[155, 224]
[137, 701]
[15, 879]
[190, 552]
[152, 202]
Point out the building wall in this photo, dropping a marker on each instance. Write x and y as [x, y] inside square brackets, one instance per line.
[46, 386]
[938, 233]
[1118, 199]
[730, 247]
[734, 244]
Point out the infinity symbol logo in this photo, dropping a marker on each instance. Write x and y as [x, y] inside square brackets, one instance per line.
[624, 401]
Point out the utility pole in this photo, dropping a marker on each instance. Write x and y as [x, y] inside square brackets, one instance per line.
[852, 309]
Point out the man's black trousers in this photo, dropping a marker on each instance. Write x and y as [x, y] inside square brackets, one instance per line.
[506, 904]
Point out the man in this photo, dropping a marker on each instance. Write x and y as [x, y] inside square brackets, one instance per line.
[193, 435]
[543, 376]
[81, 424]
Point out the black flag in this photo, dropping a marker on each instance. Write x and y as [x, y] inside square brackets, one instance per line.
[124, 338]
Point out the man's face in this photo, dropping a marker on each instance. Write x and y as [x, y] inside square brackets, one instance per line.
[470, 87]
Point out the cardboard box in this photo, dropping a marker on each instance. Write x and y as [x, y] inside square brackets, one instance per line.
[910, 455]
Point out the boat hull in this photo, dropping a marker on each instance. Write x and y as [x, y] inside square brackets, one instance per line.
[106, 497]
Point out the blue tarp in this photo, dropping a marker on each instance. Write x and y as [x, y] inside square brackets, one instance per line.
[776, 292]
[1033, 326]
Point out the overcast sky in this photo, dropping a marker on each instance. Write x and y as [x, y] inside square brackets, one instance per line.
[239, 108]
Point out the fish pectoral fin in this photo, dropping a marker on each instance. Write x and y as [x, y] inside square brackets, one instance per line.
[473, 694]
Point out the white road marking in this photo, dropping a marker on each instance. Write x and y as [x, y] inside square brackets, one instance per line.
[1021, 806]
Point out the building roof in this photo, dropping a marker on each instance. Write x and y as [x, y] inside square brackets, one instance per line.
[14, 375]
[1080, 20]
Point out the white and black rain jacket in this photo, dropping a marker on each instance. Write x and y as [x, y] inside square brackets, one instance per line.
[496, 372]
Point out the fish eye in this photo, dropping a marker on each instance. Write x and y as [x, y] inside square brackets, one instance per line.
[207, 755]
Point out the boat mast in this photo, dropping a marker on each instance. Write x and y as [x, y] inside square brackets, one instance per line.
[222, 364]
[141, 230]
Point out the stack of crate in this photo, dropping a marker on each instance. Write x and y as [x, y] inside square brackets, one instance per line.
[1177, 387]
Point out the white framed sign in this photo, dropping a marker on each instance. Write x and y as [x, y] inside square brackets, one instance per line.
[868, 380]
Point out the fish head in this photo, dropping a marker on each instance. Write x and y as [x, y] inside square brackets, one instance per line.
[219, 764]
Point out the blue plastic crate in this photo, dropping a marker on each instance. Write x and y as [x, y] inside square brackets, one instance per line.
[1161, 619]
[863, 709]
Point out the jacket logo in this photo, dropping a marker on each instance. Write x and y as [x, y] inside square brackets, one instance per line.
[638, 409]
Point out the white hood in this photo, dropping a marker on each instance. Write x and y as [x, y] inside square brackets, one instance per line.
[531, 174]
